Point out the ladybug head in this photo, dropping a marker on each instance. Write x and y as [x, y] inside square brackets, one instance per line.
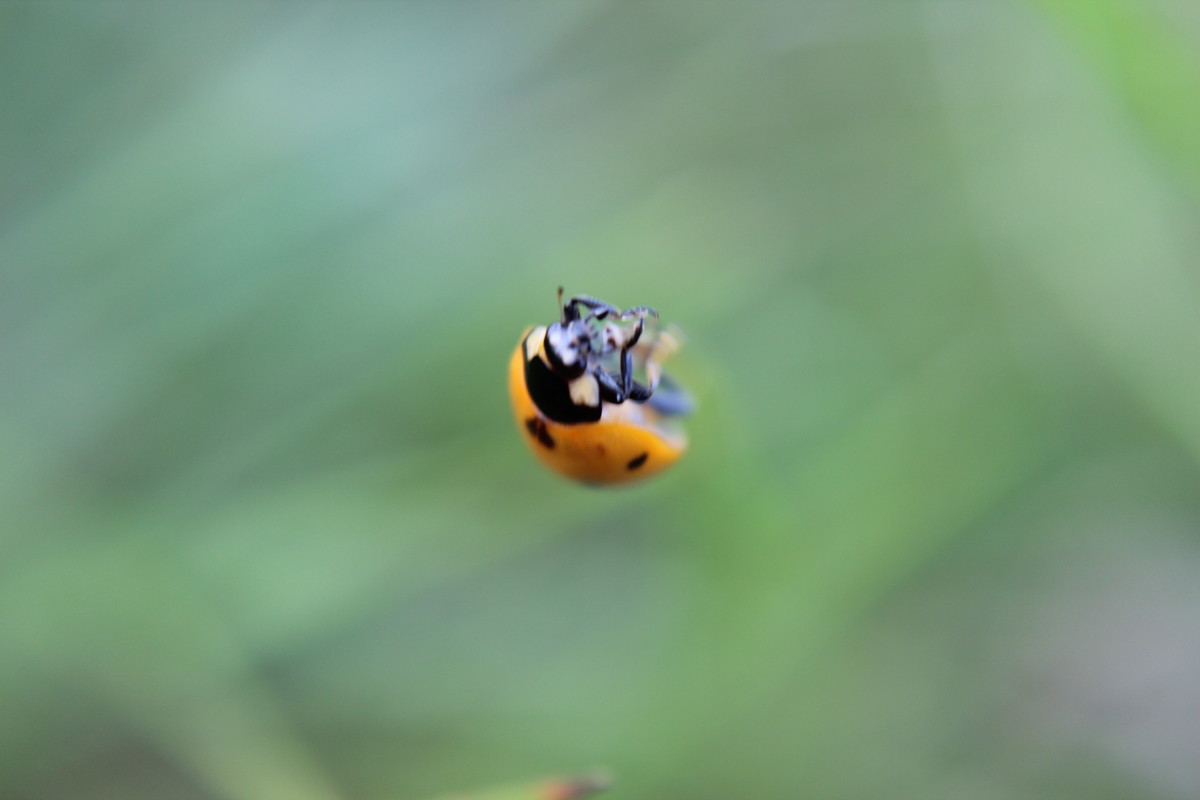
[568, 348]
[584, 338]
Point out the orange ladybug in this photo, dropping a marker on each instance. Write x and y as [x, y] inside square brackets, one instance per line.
[577, 403]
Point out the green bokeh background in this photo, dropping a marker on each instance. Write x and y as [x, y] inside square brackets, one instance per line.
[268, 532]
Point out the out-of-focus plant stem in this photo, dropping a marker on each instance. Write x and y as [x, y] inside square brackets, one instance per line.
[570, 787]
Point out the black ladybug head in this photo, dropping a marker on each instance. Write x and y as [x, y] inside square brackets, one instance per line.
[568, 348]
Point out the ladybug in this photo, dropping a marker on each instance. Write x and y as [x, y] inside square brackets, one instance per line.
[577, 403]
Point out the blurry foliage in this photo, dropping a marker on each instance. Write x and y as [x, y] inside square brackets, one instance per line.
[267, 531]
[560, 788]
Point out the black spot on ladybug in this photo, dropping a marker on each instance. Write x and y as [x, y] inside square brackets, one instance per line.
[637, 461]
[537, 429]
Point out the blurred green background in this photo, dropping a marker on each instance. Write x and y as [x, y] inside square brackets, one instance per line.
[268, 532]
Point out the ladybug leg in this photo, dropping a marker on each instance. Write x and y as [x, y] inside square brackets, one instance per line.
[627, 359]
[629, 313]
[611, 390]
[599, 308]
[639, 393]
[628, 388]
[639, 311]
[633, 390]
[672, 400]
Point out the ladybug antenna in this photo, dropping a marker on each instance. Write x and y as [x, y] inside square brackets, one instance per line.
[561, 309]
